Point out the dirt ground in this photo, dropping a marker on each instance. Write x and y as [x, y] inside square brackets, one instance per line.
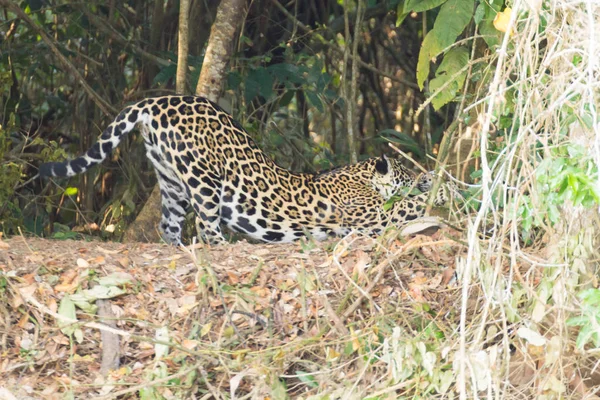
[105, 320]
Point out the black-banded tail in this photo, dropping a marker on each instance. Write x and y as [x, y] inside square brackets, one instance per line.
[107, 142]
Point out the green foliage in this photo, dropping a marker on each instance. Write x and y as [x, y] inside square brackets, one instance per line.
[589, 320]
[484, 18]
[404, 140]
[450, 76]
[567, 176]
[422, 5]
[452, 19]
[11, 176]
[305, 74]
[408, 359]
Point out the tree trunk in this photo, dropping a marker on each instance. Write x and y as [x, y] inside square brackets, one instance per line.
[210, 84]
[219, 49]
[182, 46]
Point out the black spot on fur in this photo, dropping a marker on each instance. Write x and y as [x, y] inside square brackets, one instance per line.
[245, 224]
[193, 182]
[271, 236]
[381, 165]
[107, 147]
[206, 191]
[79, 165]
[133, 116]
[94, 152]
[226, 212]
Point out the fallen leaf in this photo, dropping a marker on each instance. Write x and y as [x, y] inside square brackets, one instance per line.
[124, 261]
[97, 260]
[106, 251]
[189, 344]
[233, 278]
[531, 336]
[81, 263]
[68, 276]
[66, 287]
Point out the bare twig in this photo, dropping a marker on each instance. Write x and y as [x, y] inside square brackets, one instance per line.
[117, 37]
[103, 105]
[340, 52]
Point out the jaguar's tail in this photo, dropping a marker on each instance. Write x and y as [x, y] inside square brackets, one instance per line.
[107, 142]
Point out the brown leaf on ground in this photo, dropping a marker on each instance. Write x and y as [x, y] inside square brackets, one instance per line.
[269, 300]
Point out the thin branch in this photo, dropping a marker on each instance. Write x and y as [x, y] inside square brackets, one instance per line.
[108, 30]
[340, 52]
[104, 106]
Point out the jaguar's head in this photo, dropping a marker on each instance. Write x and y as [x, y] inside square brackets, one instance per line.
[390, 175]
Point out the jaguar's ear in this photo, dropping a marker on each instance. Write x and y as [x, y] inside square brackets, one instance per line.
[382, 165]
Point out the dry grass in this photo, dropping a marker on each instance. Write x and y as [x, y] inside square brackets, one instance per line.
[548, 72]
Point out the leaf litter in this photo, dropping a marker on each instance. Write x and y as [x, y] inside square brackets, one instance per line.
[236, 319]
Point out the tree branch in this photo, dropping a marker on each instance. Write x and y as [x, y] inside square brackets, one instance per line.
[103, 105]
[117, 37]
[308, 29]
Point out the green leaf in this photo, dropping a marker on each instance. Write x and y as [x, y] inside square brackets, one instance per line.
[479, 13]
[490, 34]
[452, 19]
[306, 378]
[71, 191]
[286, 98]
[279, 390]
[401, 14]
[403, 139]
[450, 73]
[67, 309]
[578, 321]
[314, 100]
[116, 279]
[285, 72]
[252, 89]
[422, 5]
[165, 74]
[264, 82]
[585, 334]
[234, 80]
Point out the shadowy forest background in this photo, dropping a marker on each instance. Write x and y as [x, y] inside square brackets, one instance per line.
[317, 83]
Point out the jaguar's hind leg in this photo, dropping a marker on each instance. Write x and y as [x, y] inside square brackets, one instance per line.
[174, 206]
[205, 203]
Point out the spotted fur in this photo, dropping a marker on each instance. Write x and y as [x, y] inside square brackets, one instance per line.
[205, 160]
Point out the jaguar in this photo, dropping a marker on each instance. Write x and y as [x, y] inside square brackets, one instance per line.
[204, 159]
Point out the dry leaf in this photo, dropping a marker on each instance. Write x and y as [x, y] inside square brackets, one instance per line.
[68, 276]
[81, 263]
[502, 20]
[189, 344]
[97, 260]
[106, 251]
[233, 278]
